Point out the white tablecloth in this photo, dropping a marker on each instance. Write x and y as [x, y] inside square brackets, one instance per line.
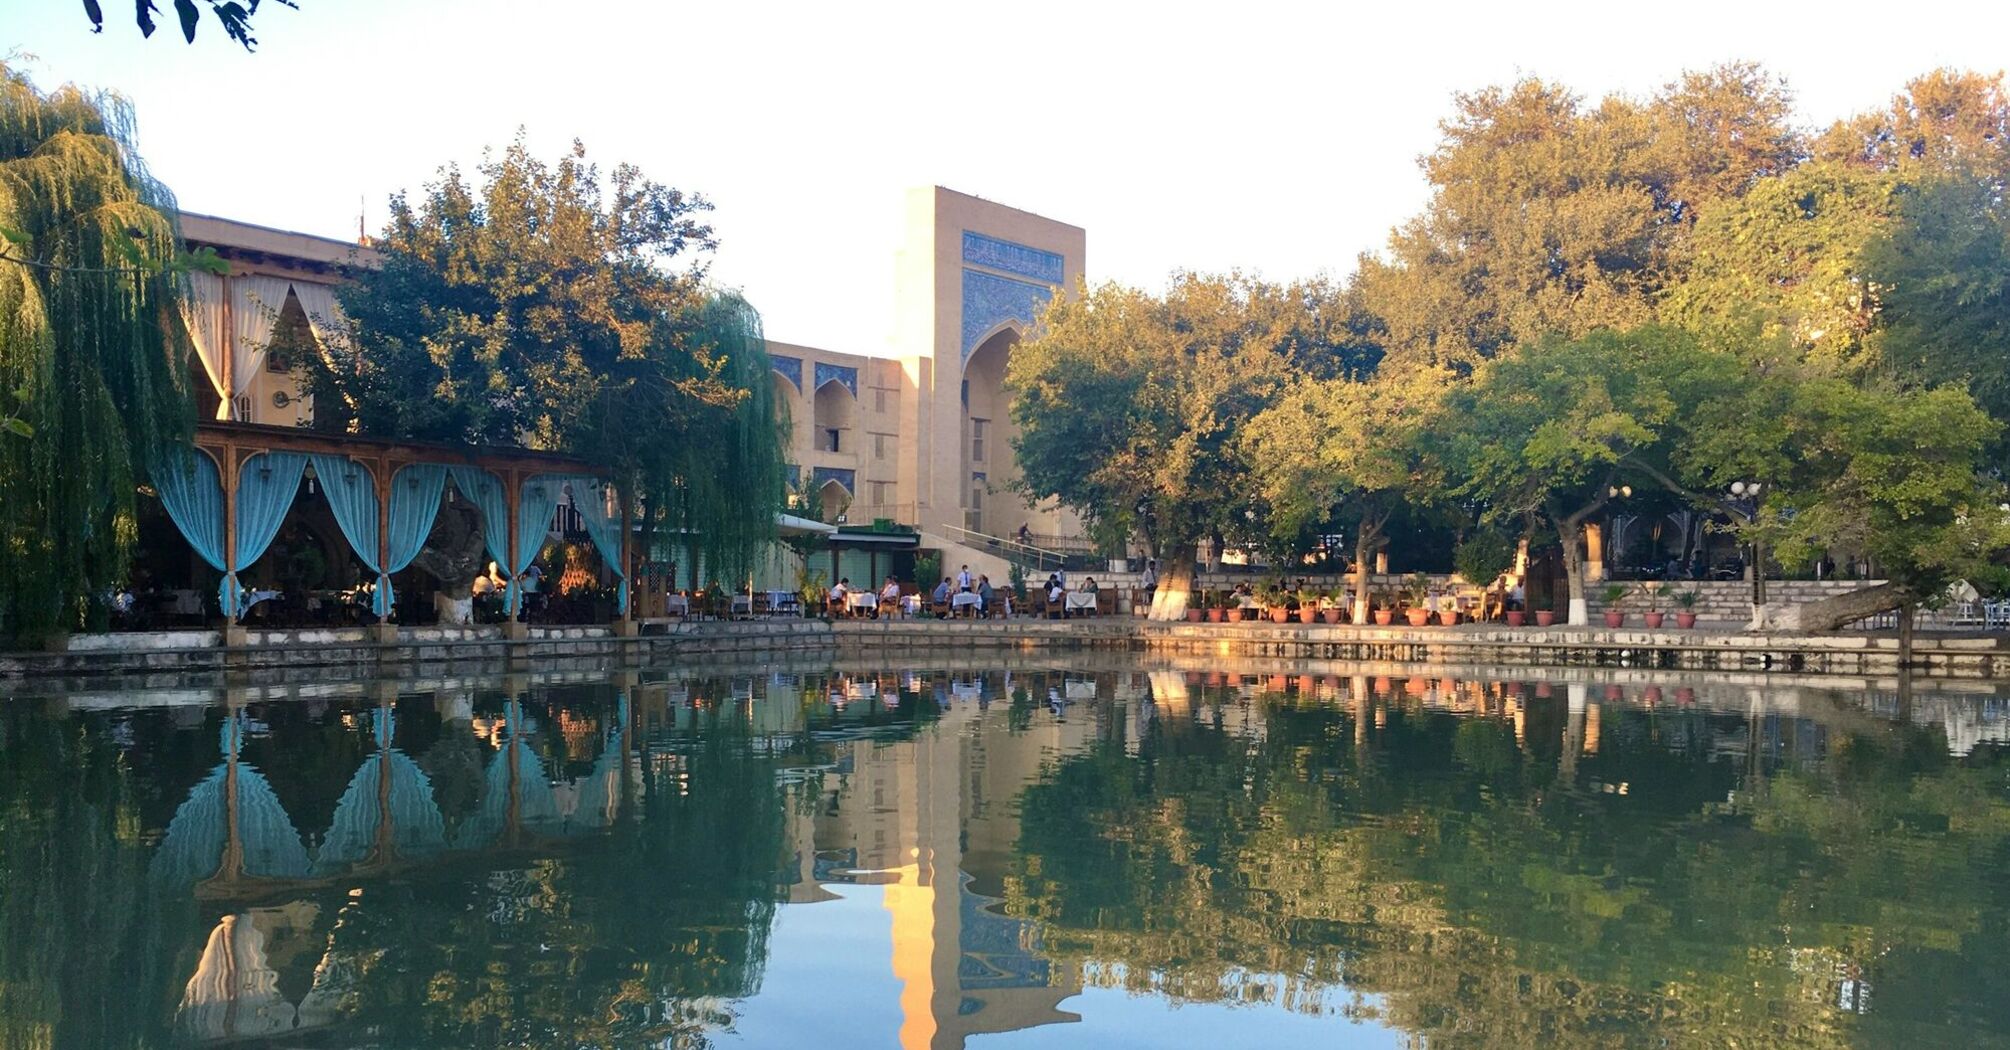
[964, 598]
[1076, 600]
[677, 605]
[859, 601]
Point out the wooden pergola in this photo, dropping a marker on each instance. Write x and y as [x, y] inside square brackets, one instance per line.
[232, 445]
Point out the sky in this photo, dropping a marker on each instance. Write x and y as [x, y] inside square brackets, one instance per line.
[1279, 139]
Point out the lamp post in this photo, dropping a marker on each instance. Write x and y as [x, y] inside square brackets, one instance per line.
[1745, 500]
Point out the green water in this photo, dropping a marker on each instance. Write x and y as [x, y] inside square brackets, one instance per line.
[1103, 854]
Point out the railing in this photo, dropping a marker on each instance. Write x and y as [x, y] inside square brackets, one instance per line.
[1024, 555]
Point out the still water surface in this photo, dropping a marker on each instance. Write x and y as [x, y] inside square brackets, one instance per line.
[1101, 855]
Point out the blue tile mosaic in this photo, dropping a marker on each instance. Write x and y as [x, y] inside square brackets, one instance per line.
[791, 369]
[842, 373]
[842, 475]
[995, 254]
[990, 300]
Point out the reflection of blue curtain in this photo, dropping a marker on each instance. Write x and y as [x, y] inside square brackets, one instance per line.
[533, 520]
[352, 495]
[592, 498]
[415, 502]
[193, 495]
[486, 492]
[265, 489]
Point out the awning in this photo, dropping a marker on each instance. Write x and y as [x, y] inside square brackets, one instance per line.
[790, 525]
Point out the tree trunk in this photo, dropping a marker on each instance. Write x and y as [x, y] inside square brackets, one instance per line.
[1175, 591]
[1830, 613]
[1905, 617]
[1573, 570]
[1367, 540]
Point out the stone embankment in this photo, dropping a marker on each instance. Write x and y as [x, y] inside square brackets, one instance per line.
[358, 651]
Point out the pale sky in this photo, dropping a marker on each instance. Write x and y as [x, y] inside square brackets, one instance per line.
[1277, 138]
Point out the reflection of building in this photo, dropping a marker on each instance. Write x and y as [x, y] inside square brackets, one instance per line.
[931, 818]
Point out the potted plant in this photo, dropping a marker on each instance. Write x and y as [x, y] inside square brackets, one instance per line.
[1335, 605]
[1272, 597]
[1418, 587]
[1308, 607]
[1545, 617]
[1685, 605]
[1653, 615]
[1615, 598]
[1196, 606]
[1385, 607]
[1217, 607]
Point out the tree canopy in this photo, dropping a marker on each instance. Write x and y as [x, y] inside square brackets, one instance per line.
[553, 308]
[92, 357]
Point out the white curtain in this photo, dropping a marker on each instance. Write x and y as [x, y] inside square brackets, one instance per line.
[324, 313]
[255, 303]
[202, 311]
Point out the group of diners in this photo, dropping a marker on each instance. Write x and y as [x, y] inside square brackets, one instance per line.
[970, 595]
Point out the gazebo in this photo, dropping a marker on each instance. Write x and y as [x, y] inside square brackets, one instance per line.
[230, 493]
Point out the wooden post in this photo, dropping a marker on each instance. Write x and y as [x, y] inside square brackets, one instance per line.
[229, 472]
[383, 479]
[627, 557]
[226, 368]
[512, 497]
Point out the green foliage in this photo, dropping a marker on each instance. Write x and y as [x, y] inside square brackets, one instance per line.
[1483, 557]
[90, 344]
[542, 309]
[928, 570]
[234, 16]
[1129, 406]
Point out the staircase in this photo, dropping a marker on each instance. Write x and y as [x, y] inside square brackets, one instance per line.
[1722, 601]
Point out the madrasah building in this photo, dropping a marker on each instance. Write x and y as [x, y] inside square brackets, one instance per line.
[922, 437]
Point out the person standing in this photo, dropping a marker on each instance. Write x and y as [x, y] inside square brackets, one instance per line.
[1149, 583]
[963, 579]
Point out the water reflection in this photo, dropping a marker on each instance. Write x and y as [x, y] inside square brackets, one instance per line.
[1043, 855]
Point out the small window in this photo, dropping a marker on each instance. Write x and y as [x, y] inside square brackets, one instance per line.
[977, 440]
[879, 445]
[831, 439]
[879, 400]
[278, 361]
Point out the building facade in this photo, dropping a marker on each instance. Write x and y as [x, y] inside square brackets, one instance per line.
[922, 437]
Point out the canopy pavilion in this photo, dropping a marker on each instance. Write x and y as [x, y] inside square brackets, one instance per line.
[230, 493]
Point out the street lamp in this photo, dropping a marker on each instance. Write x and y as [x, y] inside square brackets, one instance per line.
[1619, 491]
[1745, 500]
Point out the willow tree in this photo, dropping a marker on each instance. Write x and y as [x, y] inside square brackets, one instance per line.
[91, 358]
[557, 308]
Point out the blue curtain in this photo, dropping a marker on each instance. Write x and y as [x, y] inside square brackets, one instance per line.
[415, 502]
[486, 492]
[265, 490]
[533, 520]
[352, 495]
[594, 499]
[192, 492]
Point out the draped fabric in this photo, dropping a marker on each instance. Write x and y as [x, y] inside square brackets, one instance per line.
[415, 502]
[533, 520]
[352, 494]
[203, 313]
[324, 312]
[265, 489]
[600, 510]
[255, 303]
[192, 492]
[486, 493]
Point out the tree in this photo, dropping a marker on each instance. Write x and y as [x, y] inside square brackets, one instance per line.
[1945, 120]
[1130, 407]
[90, 344]
[1547, 435]
[545, 309]
[1551, 216]
[235, 17]
[1892, 475]
[1352, 449]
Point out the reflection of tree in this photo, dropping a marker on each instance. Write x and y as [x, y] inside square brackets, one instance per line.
[628, 940]
[1444, 870]
[76, 918]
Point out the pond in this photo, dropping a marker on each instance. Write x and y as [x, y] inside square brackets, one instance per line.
[1100, 852]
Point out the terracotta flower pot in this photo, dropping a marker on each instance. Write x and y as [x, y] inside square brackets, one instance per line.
[1384, 617]
[1330, 615]
[1615, 619]
[1280, 615]
[1217, 615]
[1308, 614]
[1685, 620]
[1545, 617]
[1516, 618]
[1449, 619]
[1654, 619]
[1195, 615]
[1419, 617]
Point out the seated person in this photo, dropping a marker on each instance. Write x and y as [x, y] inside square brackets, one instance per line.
[1055, 595]
[1089, 585]
[839, 593]
[984, 595]
[889, 595]
[942, 592]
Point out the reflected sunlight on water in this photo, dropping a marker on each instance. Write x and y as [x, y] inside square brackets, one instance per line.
[1104, 851]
